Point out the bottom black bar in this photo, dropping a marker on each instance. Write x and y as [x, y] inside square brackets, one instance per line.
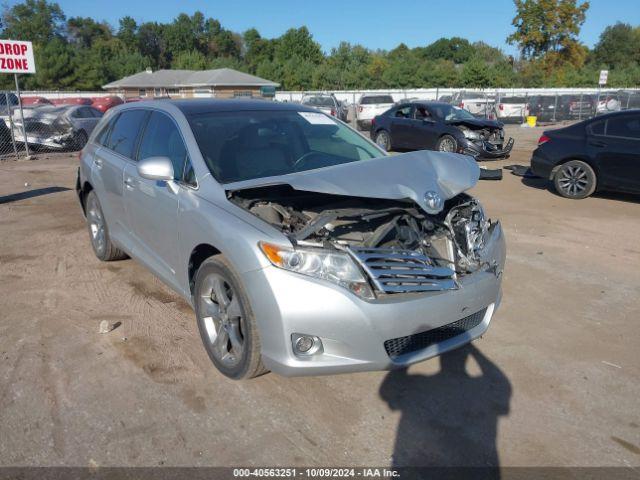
[405, 473]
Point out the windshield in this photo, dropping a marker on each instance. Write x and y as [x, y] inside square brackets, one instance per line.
[318, 101]
[253, 144]
[376, 99]
[450, 113]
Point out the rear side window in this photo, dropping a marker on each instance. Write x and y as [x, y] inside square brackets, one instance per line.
[374, 99]
[597, 128]
[628, 127]
[162, 138]
[125, 132]
[103, 134]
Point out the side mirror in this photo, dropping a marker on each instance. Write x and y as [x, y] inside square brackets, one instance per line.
[156, 168]
[159, 169]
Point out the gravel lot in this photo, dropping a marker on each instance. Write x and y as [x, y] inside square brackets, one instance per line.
[555, 381]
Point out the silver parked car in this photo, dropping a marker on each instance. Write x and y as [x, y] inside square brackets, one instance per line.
[303, 248]
[57, 127]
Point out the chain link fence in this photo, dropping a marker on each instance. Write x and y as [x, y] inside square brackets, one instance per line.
[50, 123]
[548, 106]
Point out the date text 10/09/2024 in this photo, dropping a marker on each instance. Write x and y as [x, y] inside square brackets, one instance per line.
[316, 472]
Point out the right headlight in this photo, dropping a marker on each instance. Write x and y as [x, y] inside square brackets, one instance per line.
[471, 134]
[335, 267]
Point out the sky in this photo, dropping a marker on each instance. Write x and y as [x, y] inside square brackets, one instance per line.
[374, 24]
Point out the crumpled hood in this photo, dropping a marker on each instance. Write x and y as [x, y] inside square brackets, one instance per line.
[413, 175]
[477, 123]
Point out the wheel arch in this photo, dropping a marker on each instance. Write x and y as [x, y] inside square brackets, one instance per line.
[85, 188]
[580, 158]
[198, 255]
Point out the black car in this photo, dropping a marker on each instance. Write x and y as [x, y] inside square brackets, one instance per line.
[439, 126]
[602, 153]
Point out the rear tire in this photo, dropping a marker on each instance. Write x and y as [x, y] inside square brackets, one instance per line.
[383, 140]
[102, 245]
[575, 179]
[226, 322]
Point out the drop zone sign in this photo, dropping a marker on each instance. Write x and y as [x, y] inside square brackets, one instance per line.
[16, 57]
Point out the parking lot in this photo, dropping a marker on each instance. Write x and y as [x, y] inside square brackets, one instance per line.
[554, 382]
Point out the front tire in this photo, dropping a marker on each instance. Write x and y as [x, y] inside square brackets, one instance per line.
[225, 320]
[383, 140]
[575, 179]
[101, 242]
[446, 143]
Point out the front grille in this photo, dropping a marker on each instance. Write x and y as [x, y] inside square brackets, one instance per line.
[419, 341]
[402, 271]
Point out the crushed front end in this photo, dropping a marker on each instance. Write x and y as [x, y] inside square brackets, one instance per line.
[431, 281]
[485, 142]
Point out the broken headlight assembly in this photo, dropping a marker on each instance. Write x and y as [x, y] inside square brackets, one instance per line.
[335, 267]
[469, 228]
[471, 134]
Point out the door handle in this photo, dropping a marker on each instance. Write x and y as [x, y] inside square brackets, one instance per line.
[595, 143]
[98, 163]
[129, 183]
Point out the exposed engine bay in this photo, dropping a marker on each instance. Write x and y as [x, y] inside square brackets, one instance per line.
[394, 241]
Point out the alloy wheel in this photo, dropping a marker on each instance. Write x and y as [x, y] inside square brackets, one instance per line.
[96, 226]
[573, 180]
[382, 140]
[222, 319]
[447, 145]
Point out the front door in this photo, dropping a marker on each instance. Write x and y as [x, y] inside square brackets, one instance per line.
[152, 206]
[425, 134]
[401, 126]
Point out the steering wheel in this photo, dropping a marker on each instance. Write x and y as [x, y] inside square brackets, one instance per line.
[300, 162]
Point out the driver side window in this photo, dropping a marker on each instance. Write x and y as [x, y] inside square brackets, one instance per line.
[403, 112]
[422, 113]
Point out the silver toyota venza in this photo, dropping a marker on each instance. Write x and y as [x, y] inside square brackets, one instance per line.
[302, 247]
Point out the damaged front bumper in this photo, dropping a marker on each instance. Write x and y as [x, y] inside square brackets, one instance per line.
[483, 149]
[359, 335]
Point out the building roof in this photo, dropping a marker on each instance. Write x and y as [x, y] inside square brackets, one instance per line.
[221, 77]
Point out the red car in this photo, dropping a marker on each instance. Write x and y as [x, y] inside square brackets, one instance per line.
[105, 103]
[35, 101]
[72, 101]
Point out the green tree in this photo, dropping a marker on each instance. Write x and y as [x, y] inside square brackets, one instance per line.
[544, 26]
[56, 67]
[34, 20]
[456, 49]
[84, 31]
[191, 60]
[618, 47]
[298, 43]
[128, 33]
[476, 73]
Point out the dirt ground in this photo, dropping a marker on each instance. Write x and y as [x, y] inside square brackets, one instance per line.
[554, 382]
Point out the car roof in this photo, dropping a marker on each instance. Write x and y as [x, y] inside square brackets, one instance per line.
[604, 116]
[427, 103]
[207, 105]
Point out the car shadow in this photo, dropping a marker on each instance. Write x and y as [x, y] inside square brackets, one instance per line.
[14, 197]
[449, 419]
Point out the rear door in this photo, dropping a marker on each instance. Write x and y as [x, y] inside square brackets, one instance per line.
[152, 206]
[618, 152]
[106, 177]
